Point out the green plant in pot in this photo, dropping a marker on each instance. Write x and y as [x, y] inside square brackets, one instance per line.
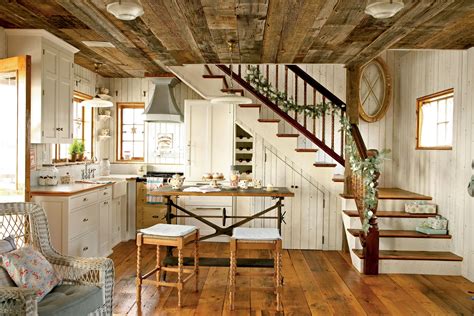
[76, 150]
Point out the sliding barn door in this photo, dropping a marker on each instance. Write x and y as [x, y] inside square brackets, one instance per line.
[304, 213]
[15, 129]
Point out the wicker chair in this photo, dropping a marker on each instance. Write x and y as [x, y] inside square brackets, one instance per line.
[27, 223]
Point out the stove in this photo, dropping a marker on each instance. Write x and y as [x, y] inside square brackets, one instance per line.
[155, 174]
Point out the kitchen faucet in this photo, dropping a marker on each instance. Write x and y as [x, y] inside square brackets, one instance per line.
[87, 173]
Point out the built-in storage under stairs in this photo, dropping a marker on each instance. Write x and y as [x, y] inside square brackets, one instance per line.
[402, 248]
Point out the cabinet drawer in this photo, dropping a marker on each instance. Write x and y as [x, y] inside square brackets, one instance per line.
[208, 200]
[83, 200]
[151, 215]
[85, 245]
[105, 193]
[83, 220]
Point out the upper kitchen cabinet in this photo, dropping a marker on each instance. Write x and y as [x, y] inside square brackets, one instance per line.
[52, 77]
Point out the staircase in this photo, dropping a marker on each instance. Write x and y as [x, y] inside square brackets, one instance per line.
[402, 249]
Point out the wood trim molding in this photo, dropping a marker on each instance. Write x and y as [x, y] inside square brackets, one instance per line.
[118, 130]
[387, 78]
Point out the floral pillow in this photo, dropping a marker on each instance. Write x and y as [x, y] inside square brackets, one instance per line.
[29, 269]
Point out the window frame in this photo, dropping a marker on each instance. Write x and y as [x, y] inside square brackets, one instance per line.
[78, 97]
[437, 96]
[119, 130]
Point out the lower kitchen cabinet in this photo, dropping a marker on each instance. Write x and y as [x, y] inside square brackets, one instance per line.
[116, 221]
[81, 224]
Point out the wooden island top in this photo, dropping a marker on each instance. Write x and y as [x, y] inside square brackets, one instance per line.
[277, 192]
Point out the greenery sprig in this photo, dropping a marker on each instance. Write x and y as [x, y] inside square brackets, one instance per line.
[368, 169]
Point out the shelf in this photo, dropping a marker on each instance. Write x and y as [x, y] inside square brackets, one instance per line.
[104, 137]
[243, 152]
[103, 117]
[244, 140]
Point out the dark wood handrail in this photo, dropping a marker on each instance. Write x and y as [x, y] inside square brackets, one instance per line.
[244, 84]
[317, 86]
[359, 141]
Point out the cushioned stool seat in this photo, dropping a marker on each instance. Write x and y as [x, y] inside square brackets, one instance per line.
[168, 230]
[257, 234]
[71, 300]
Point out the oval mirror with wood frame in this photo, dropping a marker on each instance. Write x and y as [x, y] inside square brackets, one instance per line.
[375, 90]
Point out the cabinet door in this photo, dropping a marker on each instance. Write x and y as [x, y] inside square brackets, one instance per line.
[49, 114]
[116, 221]
[221, 131]
[104, 227]
[198, 139]
[65, 99]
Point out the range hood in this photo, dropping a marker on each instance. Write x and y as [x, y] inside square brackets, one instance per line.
[162, 107]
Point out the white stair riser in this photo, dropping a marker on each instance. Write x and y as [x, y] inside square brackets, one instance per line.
[412, 244]
[390, 223]
[432, 267]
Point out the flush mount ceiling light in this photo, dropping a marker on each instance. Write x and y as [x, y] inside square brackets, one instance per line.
[231, 97]
[126, 10]
[101, 100]
[383, 9]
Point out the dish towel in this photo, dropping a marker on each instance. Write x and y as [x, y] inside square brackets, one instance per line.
[152, 184]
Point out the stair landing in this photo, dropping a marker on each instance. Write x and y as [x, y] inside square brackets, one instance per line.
[395, 194]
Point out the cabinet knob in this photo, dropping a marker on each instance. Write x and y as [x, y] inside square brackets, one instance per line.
[85, 220]
[85, 248]
[84, 200]
[106, 203]
[105, 193]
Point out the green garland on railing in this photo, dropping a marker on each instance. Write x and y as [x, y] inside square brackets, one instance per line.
[367, 168]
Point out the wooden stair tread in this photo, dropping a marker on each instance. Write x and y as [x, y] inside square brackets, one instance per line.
[252, 105]
[412, 255]
[400, 234]
[269, 120]
[306, 150]
[391, 214]
[324, 164]
[213, 76]
[395, 194]
[288, 135]
[228, 90]
[339, 178]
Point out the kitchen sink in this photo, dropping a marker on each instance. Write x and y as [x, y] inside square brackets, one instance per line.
[119, 186]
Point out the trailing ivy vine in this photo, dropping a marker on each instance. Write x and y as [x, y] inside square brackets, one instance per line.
[367, 169]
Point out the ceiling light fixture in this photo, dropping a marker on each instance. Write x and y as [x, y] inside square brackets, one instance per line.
[126, 10]
[383, 9]
[231, 97]
[102, 99]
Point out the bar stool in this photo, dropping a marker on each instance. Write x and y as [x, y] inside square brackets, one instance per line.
[168, 235]
[256, 238]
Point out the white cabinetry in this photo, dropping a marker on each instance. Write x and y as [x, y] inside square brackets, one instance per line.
[116, 221]
[52, 75]
[81, 224]
[209, 138]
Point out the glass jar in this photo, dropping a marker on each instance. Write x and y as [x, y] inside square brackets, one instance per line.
[104, 167]
[234, 177]
[49, 175]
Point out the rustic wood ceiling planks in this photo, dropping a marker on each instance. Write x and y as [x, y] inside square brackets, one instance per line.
[174, 32]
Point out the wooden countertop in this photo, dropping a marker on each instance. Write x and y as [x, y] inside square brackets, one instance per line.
[66, 189]
[279, 192]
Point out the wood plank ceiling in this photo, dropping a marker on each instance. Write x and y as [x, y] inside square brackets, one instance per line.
[175, 32]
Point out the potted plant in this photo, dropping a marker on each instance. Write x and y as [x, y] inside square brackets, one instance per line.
[76, 150]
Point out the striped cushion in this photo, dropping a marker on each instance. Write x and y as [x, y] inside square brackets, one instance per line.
[6, 245]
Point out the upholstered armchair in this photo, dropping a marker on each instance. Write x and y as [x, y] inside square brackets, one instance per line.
[87, 282]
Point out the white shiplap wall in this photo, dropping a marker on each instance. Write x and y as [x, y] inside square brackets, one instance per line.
[441, 174]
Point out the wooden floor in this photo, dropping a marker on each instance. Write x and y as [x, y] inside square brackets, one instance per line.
[315, 283]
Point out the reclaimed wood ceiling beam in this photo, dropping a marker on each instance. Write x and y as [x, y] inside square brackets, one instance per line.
[408, 20]
[251, 17]
[276, 21]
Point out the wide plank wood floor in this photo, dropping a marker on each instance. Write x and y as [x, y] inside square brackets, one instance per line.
[315, 283]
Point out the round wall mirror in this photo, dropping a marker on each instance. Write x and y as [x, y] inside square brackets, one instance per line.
[375, 90]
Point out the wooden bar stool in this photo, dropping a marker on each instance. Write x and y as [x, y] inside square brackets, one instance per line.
[256, 238]
[168, 235]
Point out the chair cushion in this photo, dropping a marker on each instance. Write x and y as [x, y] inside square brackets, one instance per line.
[256, 233]
[71, 300]
[168, 230]
[29, 269]
[6, 245]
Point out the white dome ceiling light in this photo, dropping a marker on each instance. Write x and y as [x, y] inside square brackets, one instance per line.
[383, 9]
[231, 98]
[126, 10]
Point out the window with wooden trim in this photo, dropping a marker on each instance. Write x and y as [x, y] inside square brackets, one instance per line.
[83, 129]
[130, 132]
[435, 120]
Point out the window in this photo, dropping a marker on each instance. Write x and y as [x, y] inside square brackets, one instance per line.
[435, 120]
[130, 131]
[83, 127]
